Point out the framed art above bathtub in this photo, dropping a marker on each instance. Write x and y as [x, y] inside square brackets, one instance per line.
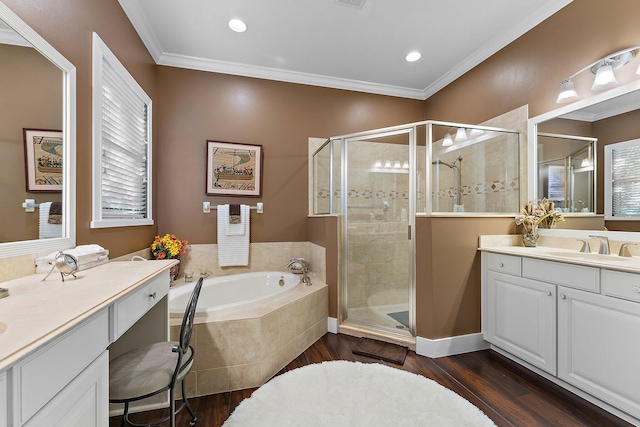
[43, 160]
[234, 169]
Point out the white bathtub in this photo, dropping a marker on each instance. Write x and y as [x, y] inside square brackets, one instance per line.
[219, 293]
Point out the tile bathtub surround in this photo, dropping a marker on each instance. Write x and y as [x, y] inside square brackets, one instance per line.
[243, 348]
[262, 257]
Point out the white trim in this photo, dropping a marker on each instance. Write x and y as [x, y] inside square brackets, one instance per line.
[101, 51]
[141, 24]
[194, 63]
[450, 346]
[497, 43]
[11, 249]
[332, 325]
[608, 202]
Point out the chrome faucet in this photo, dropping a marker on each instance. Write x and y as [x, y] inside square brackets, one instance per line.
[585, 246]
[300, 266]
[604, 244]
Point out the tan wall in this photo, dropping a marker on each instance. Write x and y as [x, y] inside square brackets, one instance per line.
[448, 273]
[31, 89]
[68, 25]
[196, 106]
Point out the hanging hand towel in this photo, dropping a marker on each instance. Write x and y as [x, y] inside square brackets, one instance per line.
[233, 239]
[47, 230]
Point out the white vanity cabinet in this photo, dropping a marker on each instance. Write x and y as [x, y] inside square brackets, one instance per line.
[3, 399]
[54, 364]
[579, 323]
[522, 318]
[599, 346]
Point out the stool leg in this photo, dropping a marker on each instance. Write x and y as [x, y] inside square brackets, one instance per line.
[186, 403]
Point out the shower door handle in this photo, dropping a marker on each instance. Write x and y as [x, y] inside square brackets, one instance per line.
[409, 232]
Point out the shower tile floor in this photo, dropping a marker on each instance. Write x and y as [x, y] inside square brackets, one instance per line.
[379, 315]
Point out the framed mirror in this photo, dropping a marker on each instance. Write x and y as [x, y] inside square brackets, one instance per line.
[563, 143]
[38, 134]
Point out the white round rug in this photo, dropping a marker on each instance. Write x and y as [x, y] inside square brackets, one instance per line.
[342, 393]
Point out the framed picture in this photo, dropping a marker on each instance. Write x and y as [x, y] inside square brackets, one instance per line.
[43, 160]
[234, 169]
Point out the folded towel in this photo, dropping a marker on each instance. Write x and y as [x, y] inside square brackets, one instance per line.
[234, 214]
[55, 213]
[233, 239]
[45, 229]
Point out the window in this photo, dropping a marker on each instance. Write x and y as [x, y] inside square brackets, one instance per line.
[121, 144]
[622, 180]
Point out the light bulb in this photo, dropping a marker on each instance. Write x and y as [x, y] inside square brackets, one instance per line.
[567, 92]
[378, 164]
[387, 164]
[585, 163]
[397, 164]
[238, 26]
[604, 78]
[461, 135]
[405, 165]
[447, 141]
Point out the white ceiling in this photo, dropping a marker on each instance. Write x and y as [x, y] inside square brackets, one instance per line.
[327, 43]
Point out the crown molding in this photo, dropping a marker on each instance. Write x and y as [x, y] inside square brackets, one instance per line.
[497, 43]
[223, 67]
[142, 27]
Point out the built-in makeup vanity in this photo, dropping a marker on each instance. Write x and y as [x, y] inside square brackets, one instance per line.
[572, 317]
[59, 336]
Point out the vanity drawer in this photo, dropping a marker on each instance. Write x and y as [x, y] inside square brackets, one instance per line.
[507, 264]
[127, 311]
[41, 376]
[621, 285]
[564, 274]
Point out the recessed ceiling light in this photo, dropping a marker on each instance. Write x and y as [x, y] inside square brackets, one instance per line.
[413, 56]
[238, 26]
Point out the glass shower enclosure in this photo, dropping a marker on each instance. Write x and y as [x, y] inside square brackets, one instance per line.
[378, 181]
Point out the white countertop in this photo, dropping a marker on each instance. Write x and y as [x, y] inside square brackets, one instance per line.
[36, 312]
[572, 256]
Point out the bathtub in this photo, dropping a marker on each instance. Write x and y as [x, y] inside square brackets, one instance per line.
[233, 291]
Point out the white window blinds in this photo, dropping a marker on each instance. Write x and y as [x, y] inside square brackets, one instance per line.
[122, 145]
[622, 180]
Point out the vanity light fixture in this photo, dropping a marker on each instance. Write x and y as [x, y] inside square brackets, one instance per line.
[603, 69]
[238, 25]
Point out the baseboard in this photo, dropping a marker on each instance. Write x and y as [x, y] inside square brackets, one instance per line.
[450, 346]
[332, 325]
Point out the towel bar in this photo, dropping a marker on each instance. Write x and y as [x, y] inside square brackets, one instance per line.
[206, 207]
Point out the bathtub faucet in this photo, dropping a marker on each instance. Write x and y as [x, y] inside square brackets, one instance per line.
[300, 266]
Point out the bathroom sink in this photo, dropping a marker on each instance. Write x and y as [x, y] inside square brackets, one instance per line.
[589, 256]
[3, 327]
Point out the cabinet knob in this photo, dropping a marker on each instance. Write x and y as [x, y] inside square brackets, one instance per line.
[636, 289]
[563, 296]
[549, 293]
[501, 264]
[153, 295]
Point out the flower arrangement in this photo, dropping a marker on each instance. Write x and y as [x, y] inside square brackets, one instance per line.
[542, 215]
[168, 246]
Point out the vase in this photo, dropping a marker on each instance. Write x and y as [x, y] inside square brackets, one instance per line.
[173, 271]
[530, 238]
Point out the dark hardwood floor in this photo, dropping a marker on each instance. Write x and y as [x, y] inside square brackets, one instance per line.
[509, 394]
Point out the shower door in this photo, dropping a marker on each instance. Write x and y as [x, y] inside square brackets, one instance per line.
[378, 211]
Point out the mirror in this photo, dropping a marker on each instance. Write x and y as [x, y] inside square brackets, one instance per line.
[38, 104]
[563, 145]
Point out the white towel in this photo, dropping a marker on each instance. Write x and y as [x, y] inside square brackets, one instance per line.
[233, 239]
[48, 230]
